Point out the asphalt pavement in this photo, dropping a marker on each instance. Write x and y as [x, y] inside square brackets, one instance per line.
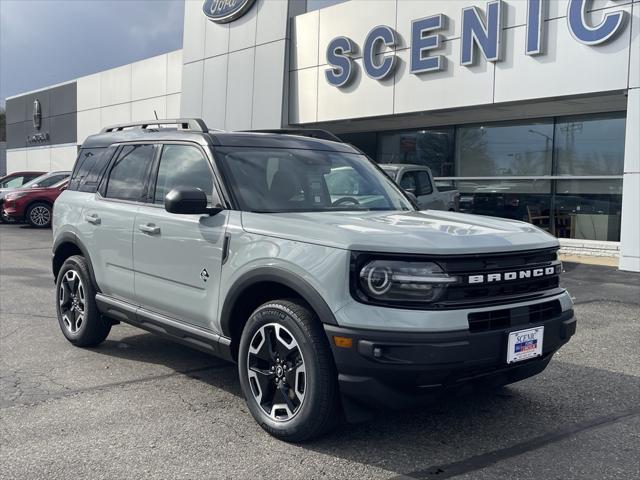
[142, 407]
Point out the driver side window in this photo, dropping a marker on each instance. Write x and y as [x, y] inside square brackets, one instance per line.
[182, 166]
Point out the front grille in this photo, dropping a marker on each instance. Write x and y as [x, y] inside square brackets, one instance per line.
[510, 317]
[474, 295]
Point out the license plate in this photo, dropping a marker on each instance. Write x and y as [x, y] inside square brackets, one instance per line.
[525, 344]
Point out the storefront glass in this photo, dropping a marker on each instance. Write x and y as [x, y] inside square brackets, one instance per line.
[562, 174]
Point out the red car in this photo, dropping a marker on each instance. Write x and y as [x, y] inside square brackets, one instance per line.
[17, 179]
[34, 205]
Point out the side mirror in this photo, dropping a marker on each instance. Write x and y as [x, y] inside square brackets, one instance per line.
[412, 196]
[63, 188]
[188, 201]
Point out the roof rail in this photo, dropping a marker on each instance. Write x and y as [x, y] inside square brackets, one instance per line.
[303, 132]
[194, 124]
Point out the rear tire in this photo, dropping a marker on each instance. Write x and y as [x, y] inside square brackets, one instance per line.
[39, 215]
[287, 372]
[78, 316]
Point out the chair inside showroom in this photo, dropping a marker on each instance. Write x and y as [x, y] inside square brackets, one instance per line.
[537, 218]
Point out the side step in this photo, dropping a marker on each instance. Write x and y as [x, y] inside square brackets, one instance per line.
[186, 334]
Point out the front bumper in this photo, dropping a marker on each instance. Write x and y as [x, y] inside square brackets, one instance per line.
[401, 369]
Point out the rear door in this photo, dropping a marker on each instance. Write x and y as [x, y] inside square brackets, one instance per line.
[178, 258]
[108, 216]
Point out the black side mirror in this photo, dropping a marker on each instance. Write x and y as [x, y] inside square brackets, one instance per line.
[188, 201]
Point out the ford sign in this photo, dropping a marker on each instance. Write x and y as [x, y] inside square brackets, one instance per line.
[225, 11]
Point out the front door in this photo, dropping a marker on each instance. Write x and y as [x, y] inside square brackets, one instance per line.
[107, 223]
[178, 258]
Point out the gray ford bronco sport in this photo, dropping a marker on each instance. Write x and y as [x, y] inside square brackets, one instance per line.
[297, 258]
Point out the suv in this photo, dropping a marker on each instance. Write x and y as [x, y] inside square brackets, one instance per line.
[235, 244]
[34, 201]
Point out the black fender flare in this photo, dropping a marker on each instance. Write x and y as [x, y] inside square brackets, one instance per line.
[72, 238]
[273, 275]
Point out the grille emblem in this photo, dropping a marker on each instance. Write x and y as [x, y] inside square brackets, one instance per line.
[530, 273]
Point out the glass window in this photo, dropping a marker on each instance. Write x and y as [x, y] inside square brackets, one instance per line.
[129, 172]
[275, 180]
[89, 167]
[47, 180]
[504, 149]
[183, 166]
[590, 145]
[433, 148]
[12, 182]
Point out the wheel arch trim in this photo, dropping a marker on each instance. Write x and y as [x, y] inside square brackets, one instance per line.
[273, 275]
[66, 238]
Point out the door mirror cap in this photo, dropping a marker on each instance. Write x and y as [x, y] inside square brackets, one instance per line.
[188, 201]
[412, 196]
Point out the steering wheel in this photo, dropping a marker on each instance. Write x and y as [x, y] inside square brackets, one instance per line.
[342, 200]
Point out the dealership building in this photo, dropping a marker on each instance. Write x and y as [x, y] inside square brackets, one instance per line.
[531, 108]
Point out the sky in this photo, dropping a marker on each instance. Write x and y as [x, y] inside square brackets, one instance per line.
[44, 42]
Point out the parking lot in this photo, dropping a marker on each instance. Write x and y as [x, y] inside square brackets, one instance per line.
[141, 407]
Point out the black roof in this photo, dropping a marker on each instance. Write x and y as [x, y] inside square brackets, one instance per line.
[141, 132]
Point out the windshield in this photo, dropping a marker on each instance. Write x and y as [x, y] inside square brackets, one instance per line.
[277, 180]
[47, 180]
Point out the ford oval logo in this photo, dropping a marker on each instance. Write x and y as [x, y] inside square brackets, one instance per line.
[225, 11]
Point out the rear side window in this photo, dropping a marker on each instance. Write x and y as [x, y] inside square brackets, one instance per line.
[424, 184]
[89, 167]
[128, 175]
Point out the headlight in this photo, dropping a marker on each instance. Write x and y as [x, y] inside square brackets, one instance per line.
[398, 282]
[15, 196]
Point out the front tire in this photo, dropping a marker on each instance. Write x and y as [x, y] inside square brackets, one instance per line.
[39, 215]
[287, 373]
[78, 315]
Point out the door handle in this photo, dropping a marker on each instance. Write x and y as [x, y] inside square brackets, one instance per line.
[93, 218]
[149, 228]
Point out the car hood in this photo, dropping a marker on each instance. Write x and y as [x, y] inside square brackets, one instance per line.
[423, 232]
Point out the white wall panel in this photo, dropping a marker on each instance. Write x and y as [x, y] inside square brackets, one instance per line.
[214, 95]
[88, 92]
[115, 86]
[569, 68]
[89, 123]
[191, 101]
[174, 72]
[354, 19]
[303, 96]
[240, 90]
[457, 86]
[268, 89]
[147, 109]
[173, 105]
[115, 114]
[364, 97]
[39, 159]
[149, 78]
[304, 40]
[63, 158]
[243, 33]
[194, 31]
[216, 39]
[634, 63]
[16, 161]
[415, 9]
[271, 20]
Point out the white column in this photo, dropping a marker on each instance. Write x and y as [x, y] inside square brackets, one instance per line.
[630, 230]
